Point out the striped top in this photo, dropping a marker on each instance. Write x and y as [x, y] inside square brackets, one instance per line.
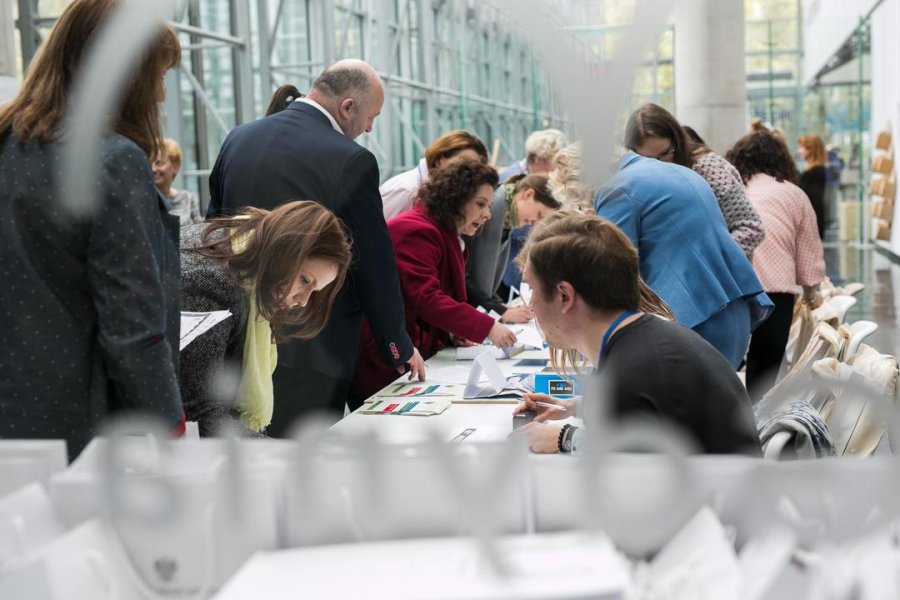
[791, 253]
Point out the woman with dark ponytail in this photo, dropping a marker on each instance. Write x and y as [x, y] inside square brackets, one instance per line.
[282, 98]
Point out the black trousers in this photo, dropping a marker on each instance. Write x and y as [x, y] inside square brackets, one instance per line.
[302, 392]
[767, 346]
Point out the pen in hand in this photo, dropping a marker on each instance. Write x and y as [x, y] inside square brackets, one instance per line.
[545, 405]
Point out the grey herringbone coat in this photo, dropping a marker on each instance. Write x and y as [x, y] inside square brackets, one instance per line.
[211, 364]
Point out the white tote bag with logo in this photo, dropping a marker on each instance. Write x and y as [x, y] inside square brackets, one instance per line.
[85, 563]
[188, 513]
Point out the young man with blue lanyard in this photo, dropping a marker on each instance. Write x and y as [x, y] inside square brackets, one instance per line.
[587, 298]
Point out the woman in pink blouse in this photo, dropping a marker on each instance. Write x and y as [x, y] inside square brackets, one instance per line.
[789, 259]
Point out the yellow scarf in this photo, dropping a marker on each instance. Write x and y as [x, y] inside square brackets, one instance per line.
[256, 396]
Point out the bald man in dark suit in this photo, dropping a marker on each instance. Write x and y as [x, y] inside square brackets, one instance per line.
[307, 152]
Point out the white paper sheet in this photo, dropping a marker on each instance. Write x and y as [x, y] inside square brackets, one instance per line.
[195, 324]
[485, 365]
[472, 352]
[454, 374]
[482, 434]
[528, 337]
[492, 314]
[525, 293]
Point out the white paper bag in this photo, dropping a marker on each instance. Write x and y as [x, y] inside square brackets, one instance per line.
[28, 461]
[85, 563]
[185, 521]
[698, 563]
[27, 521]
[558, 566]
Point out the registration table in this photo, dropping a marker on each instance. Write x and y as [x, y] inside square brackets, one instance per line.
[491, 418]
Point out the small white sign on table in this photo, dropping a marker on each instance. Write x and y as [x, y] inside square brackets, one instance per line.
[195, 324]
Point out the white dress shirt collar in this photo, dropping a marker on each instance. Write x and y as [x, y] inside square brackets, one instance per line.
[331, 119]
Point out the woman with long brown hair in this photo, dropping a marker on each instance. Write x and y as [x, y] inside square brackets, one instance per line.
[812, 179]
[688, 256]
[277, 272]
[654, 132]
[90, 324]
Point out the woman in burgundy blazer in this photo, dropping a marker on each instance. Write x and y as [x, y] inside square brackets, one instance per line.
[431, 260]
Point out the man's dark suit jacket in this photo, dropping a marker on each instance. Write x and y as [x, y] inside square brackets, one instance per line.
[297, 155]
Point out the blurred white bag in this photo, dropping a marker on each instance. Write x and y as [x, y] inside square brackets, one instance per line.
[188, 512]
[401, 491]
[28, 461]
[85, 563]
[559, 566]
[698, 563]
[27, 521]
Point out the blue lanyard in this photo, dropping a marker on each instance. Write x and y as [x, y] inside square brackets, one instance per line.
[609, 332]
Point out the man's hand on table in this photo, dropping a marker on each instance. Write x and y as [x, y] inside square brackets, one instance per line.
[416, 366]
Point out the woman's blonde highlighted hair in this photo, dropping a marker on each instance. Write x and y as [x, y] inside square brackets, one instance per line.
[597, 260]
[565, 180]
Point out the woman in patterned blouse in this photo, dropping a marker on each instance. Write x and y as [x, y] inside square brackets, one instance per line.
[789, 258]
[652, 131]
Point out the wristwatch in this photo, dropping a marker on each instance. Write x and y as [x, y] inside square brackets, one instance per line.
[565, 438]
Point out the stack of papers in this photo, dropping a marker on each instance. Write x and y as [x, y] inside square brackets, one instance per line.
[527, 338]
[419, 389]
[396, 406]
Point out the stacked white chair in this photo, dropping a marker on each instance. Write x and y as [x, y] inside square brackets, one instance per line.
[853, 386]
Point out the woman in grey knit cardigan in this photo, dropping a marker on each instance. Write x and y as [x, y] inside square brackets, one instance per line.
[278, 273]
[654, 132]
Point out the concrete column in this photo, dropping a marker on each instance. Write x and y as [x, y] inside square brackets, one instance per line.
[710, 80]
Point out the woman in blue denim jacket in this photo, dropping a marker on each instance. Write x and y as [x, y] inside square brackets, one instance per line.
[687, 255]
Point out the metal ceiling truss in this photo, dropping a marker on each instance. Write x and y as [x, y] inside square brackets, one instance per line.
[446, 64]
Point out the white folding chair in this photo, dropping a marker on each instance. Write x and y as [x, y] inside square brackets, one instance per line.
[858, 331]
[841, 304]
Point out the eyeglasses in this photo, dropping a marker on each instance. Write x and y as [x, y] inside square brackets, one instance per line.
[662, 155]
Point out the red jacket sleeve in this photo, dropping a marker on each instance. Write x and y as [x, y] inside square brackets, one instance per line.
[420, 253]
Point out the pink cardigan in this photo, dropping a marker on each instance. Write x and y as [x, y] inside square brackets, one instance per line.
[791, 253]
